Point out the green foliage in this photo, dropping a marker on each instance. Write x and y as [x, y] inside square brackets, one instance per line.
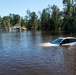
[69, 16]
[56, 17]
[51, 18]
[6, 21]
[45, 17]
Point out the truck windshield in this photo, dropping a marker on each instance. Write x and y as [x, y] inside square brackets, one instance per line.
[57, 41]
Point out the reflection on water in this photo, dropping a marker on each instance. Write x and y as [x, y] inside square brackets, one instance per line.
[20, 54]
[70, 59]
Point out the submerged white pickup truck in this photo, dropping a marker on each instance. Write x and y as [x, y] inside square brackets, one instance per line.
[62, 41]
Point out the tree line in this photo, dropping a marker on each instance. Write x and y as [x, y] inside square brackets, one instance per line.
[50, 18]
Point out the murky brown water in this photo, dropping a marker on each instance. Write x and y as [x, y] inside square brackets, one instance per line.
[20, 54]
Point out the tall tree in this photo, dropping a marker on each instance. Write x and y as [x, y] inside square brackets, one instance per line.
[14, 19]
[23, 22]
[55, 17]
[6, 21]
[33, 19]
[45, 19]
[69, 15]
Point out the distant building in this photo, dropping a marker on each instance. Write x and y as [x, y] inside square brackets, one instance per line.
[15, 29]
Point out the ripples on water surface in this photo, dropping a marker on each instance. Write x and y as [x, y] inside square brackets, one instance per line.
[20, 54]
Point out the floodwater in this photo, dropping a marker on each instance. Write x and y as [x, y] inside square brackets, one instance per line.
[20, 54]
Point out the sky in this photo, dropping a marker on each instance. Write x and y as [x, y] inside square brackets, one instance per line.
[21, 6]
